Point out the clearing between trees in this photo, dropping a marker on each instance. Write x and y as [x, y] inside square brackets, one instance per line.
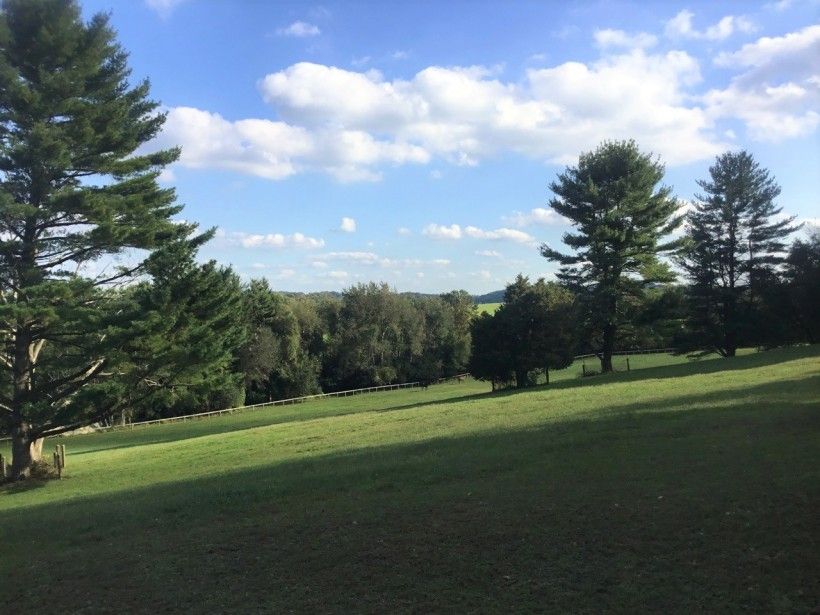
[673, 488]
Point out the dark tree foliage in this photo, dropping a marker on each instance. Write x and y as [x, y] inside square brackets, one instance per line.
[735, 247]
[621, 215]
[802, 279]
[490, 359]
[531, 333]
[74, 195]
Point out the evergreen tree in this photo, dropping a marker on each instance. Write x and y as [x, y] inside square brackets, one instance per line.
[734, 248]
[621, 216]
[75, 192]
[803, 287]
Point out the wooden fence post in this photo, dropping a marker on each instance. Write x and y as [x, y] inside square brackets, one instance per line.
[627, 363]
[62, 455]
[584, 368]
[2, 467]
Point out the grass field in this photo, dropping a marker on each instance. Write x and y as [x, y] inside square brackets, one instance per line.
[488, 308]
[674, 488]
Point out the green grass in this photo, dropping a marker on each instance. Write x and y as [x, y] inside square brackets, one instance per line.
[488, 308]
[672, 488]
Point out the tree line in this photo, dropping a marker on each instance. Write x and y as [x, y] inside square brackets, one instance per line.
[157, 332]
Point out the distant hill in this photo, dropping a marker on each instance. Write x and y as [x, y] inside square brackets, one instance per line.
[497, 296]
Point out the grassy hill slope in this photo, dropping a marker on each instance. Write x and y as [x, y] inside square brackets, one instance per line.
[669, 488]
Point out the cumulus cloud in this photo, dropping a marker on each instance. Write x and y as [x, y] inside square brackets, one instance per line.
[680, 26]
[276, 150]
[269, 240]
[538, 215]
[778, 94]
[506, 234]
[351, 124]
[299, 29]
[348, 225]
[454, 231]
[404, 231]
[465, 114]
[618, 38]
[439, 231]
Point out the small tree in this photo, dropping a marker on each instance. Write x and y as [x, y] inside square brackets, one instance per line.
[75, 191]
[533, 331]
[734, 248]
[490, 358]
[621, 214]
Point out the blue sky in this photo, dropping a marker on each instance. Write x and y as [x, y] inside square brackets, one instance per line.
[413, 143]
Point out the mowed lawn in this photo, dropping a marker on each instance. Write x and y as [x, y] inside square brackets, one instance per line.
[674, 488]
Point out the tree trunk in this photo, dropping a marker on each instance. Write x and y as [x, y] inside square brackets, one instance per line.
[547, 375]
[25, 451]
[608, 348]
[521, 378]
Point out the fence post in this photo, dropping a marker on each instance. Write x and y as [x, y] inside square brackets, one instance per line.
[62, 455]
[584, 368]
[627, 363]
[2, 467]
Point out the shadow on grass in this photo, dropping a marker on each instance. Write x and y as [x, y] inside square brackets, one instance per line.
[710, 508]
[194, 429]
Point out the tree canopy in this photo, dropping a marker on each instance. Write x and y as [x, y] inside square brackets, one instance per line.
[735, 246]
[621, 215]
[82, 218]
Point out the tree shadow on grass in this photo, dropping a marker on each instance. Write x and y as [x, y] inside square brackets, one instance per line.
[709, 508]
[177, 431]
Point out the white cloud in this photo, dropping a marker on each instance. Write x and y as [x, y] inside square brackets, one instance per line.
[403, 230]
[680, 26]
[439, 231]
[269, 240]
[538, 215]
[505, 234]
[400, 55]
[359, 62]
[454, 231]
[465, 114]
[350, 124]
[163, 8]
[299, 29]
[778, 96]
[348, 225]
[619, 38]
[166, 176]
[489, 253]
[276, 150]
[319, 265]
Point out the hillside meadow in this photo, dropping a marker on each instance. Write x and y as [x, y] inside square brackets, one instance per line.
[677, 487]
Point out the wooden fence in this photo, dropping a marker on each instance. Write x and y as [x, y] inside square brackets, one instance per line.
[278, 402]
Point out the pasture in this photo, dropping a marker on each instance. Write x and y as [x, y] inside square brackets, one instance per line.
[678, 486]
[488, 308]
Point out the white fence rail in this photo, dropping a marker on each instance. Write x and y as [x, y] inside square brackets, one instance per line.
[278, 402]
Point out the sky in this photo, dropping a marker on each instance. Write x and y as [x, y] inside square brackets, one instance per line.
[413, 143]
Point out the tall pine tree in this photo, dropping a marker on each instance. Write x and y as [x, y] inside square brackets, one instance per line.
[621, 214]
[736, 244]
[76, 196]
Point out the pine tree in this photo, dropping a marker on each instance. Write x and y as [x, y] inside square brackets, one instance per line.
[76, 192]
[734, 248]
[621, 216]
